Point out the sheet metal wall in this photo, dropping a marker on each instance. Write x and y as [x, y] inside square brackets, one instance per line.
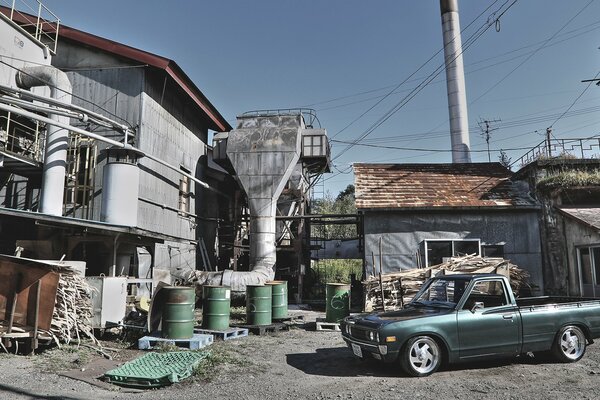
[403, 233]
[577, 235]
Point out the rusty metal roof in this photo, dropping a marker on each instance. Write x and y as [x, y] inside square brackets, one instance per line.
[589, 216]
[409, 186]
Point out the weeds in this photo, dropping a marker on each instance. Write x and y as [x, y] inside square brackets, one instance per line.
[217, 360]
[567, 179]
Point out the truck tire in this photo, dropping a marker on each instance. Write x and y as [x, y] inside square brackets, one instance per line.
[421, 356]
[569, 344]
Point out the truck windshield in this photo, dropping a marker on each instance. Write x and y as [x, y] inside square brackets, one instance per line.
[441, 293]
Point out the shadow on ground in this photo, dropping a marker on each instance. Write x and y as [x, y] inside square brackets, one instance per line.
[13, 392]
[339, 361]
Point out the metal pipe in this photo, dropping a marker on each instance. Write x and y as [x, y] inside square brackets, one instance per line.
[455, 82]
[49, 121]
[58, 103]
[57, 138]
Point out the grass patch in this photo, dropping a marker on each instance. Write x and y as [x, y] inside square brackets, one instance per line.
[218, 360]
[64, 357]
[567, 179]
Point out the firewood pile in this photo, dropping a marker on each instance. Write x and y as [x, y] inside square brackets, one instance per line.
[73, 312]
[400, 287]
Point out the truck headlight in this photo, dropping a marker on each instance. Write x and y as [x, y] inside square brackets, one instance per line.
[373, 336]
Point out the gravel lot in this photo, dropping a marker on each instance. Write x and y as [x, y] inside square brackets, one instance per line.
[302, 363]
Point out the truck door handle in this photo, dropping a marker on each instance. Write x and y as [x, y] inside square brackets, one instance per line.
[507, 316]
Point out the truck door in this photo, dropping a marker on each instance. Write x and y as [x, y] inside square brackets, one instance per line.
[488, 324]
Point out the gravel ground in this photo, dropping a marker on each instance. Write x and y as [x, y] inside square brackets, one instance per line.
[307, 364]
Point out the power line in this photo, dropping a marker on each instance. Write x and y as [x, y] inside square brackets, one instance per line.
[472, 39]
[532, 54]
[576, 99]
[407, 78]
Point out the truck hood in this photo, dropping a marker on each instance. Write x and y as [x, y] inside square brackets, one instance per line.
[376, 320]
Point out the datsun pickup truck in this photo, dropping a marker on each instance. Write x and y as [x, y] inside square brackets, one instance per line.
[468, 317]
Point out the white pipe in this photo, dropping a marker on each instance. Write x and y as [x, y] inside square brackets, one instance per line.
[49, 121]
[58, 103]
[455, 82]
[57, 138]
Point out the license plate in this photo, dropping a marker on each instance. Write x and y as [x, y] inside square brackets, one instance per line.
[357, 350]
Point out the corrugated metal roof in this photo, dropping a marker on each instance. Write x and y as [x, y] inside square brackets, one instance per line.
[589, 216]
[217, 122]
[400, 186]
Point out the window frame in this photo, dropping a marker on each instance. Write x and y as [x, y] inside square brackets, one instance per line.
[453, 249]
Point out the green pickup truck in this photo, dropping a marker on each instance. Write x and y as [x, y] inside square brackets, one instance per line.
[468, 317]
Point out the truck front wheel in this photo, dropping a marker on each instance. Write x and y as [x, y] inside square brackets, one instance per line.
[569, 345]
[420, 356]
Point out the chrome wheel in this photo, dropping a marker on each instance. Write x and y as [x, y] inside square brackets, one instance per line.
[424, 355]
[571, 343]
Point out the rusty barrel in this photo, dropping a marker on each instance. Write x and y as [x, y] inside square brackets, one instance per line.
[216, 302]
[178, 312]
[337, 297]
[258, 304]
[279, 304]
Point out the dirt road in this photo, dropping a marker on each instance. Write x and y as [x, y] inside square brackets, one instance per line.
[312, 365]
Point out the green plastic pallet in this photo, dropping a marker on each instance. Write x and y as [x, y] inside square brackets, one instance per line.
[154, 370]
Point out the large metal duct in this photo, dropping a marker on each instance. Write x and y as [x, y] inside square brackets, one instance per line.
[57, 139]
[455, 82]
[263, 150]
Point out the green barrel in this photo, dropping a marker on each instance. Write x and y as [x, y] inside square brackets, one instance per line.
[215, 307]
[178, 312]
[338, 301]
[280, 299]
[258, 304]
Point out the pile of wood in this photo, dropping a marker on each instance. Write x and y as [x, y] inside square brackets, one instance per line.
[400, 287]
[73, 312]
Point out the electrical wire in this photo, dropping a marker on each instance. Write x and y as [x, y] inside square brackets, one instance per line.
[543, 45]
[407, 78]
[468, 43]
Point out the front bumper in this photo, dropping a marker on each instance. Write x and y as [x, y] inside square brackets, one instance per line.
[367, 350]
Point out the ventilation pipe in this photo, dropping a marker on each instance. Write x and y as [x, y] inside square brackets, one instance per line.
[57, 139]
[455, 82]
[263, 151]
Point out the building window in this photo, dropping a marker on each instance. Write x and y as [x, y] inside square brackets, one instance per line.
[589, 270]
[493, 250]
[185, 193]
[436, 250]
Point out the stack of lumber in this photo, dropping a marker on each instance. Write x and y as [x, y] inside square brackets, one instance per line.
[73, 312]
[400, 287]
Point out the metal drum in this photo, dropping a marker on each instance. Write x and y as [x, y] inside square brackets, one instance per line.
[215, 307]
[258, 304]
[178, 312]
[338, 301]
[280, 299]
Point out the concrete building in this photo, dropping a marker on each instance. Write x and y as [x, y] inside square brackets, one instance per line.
[424, 213]
[568, 192]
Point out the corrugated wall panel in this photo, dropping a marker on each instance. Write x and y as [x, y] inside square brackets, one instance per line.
[403, 233]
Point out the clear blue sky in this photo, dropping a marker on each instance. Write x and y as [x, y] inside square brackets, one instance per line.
[342, 56]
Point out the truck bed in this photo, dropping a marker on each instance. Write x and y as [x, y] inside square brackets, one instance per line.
[550, 300]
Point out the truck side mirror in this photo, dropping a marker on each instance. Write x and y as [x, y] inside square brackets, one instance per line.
[477, 306]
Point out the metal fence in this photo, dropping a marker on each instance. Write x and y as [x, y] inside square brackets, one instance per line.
[566, 148]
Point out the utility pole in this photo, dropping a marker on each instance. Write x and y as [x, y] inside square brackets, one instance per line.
[486, 132]
[548, 134]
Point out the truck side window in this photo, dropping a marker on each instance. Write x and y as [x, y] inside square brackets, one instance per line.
[491, 293]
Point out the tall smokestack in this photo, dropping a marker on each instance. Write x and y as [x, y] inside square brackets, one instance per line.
[455, 82]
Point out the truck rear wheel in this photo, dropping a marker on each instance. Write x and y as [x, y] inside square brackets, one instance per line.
[420, 356]
[569, 345]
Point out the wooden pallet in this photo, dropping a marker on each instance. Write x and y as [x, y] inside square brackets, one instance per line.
[264, 329]
[194, 343]
[231, 333]
[289, 318]
[323, 325]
